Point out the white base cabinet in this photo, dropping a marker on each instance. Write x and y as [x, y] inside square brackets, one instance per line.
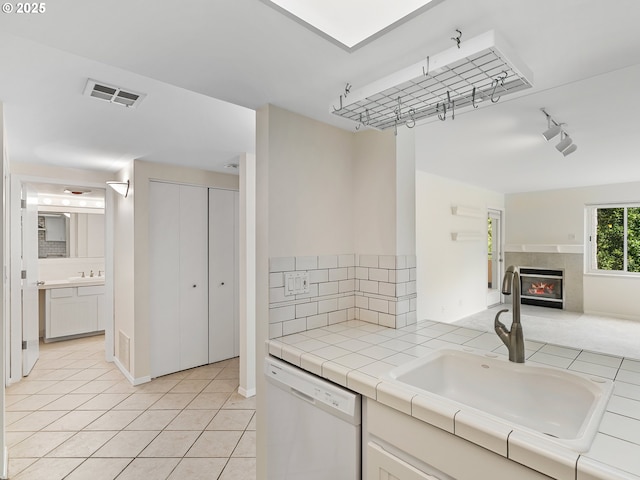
[400, 446]
[73, 311]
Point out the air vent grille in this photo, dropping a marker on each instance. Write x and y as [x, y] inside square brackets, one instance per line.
[112, 94]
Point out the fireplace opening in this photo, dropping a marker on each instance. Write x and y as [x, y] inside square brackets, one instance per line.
[542, 287]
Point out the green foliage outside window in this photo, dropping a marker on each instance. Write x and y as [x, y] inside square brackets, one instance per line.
[610, 239]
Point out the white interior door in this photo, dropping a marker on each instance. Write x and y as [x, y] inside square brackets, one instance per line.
[223, 275]
[30, 316]
[494, 257]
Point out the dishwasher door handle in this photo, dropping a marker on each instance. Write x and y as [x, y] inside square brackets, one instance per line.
[303, 396]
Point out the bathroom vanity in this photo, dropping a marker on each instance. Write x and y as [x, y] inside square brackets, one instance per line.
[73, 308]
[413, 436]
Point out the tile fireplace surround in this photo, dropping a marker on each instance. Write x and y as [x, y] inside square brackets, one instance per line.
[571, 263]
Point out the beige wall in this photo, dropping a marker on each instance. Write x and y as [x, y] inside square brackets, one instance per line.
[310, 185]
[131, 244]
[452, 276]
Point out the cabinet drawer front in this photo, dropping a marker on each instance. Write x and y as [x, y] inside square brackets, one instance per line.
[63, 292]
[91, 290]
[381, 465]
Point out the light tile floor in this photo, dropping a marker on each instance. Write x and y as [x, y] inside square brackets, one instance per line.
[609, 335]
[76, 417]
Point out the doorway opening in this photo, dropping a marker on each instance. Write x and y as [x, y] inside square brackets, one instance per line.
[494, 257]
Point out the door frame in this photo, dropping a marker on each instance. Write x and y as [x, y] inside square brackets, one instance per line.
[13, 325]
[497, 213]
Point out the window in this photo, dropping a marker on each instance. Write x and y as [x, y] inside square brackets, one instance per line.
[614, 238]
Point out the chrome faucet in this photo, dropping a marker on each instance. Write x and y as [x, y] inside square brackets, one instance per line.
[513, 339]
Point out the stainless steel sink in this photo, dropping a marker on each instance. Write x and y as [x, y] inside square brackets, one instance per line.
[549, 402]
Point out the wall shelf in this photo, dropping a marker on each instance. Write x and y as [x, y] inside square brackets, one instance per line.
[462, 211]
[466, 236]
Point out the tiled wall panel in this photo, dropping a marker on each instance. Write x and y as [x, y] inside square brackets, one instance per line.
[379, 289]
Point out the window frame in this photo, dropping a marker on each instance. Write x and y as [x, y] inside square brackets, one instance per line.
[591, 235]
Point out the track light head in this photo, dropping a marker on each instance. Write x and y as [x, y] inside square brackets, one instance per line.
[569, 150]
[552, 132]
[564, 143]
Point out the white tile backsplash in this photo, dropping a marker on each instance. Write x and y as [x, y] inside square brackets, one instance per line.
[306, 263]
[377, 289]
[328, 261]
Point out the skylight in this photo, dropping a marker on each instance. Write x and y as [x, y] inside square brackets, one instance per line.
[352, 23]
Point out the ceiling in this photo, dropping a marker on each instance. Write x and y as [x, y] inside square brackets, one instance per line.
[205, 66]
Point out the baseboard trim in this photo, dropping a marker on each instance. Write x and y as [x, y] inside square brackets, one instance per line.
[247, 393]
[609, 314]
[5, 464]
[134, 381]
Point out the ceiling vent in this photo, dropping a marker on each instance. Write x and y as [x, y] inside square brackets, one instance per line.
[113, 94]
[481, 69]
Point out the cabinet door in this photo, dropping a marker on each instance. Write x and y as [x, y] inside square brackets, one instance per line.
[194, 291]
[164, 272]
[223, 275]
[73, 316]
[381, 465]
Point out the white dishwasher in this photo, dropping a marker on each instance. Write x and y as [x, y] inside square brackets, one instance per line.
[314, 426]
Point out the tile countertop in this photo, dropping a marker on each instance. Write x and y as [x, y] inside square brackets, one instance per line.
[356, 354]
[89, 282]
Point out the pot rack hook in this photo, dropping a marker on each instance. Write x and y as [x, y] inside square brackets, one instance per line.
[398, 111]
[412, 121]
[347, 90]
[499, 80]
[444, 111]
[453, 110]
[426, 73]
[359, 122]
[457, 39]
[473, 98]
[338, 109]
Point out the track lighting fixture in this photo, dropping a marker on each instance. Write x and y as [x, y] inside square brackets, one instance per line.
[566, 145]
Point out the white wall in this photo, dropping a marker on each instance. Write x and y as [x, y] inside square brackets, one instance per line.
[558, 217]
[452, 276]
[4, 297]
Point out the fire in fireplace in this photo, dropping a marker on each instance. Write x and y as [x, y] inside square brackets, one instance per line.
[542, 287]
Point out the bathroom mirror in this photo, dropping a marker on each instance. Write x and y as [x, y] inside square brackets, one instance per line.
[70, 234]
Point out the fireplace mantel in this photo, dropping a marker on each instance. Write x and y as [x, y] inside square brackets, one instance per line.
[544, 248]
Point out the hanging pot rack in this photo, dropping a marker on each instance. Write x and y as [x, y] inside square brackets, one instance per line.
[481, 69]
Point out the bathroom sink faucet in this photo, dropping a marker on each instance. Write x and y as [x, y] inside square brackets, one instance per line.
[513, 339]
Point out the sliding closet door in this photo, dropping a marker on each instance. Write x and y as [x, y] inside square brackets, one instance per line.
[178, 253]
[223, 275]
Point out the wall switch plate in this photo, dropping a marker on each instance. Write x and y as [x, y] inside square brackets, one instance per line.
[296, 283]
